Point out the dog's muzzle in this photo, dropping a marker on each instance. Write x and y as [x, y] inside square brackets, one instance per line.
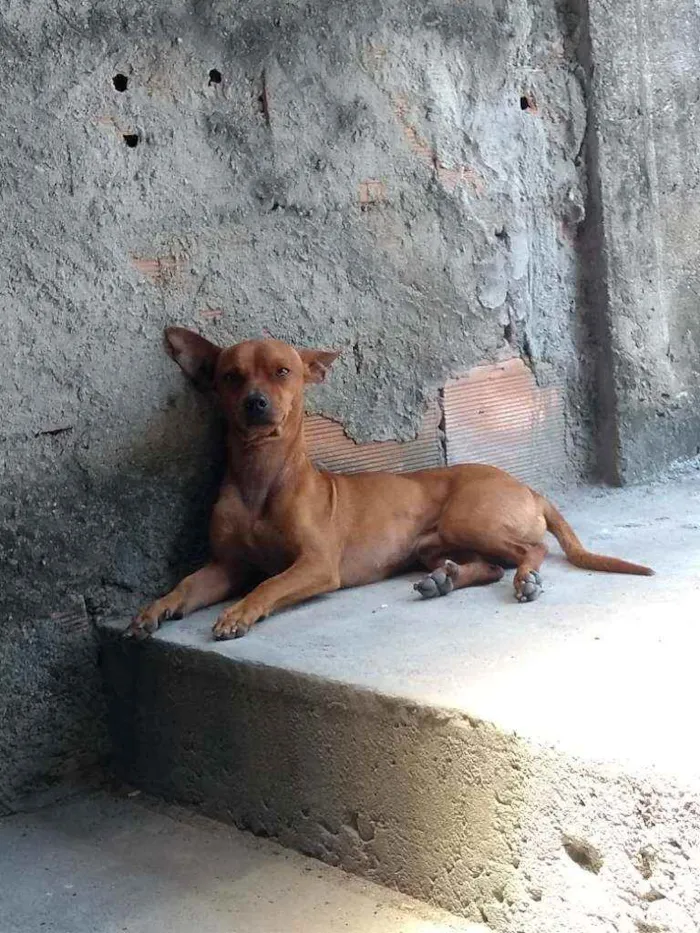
[257, 409]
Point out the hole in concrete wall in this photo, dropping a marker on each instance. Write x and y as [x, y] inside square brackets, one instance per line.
[357, 356]
[527, 102]
[214, 76]
[120, 82]
[583, 854]
[262, 100]
[131, 139]
[503, 236]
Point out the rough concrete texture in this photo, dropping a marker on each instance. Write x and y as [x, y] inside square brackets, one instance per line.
[528, 766]
[403, 180]
[362, 176]
[127, 865]
[52, 714]
[644, 220]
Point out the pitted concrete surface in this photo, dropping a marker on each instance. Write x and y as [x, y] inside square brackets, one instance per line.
[570, 671]
[530, 766]
[361, 176]
[646, 276]
[355, 175]
[406, 181]
[119, 865]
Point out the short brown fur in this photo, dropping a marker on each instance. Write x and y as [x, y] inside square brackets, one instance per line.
[303, 531]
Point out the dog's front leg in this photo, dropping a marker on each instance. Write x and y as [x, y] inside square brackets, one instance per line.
[310, 575]
[207, 586]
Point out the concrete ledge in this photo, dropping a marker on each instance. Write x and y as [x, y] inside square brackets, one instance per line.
[528, 766]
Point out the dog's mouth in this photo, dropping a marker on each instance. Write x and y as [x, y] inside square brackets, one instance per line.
[260, 431]
[259, 419]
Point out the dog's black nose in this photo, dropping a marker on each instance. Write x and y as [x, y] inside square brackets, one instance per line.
[256, 407]
[255, 402]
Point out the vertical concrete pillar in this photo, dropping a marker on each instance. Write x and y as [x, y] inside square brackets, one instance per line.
[644, 165]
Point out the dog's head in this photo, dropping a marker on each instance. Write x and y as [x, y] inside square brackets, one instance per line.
[260, 383]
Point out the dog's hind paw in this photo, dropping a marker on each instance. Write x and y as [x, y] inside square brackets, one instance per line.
[438, 583]
[528, 588]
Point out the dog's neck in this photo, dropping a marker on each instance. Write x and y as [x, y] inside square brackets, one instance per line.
[262, 467]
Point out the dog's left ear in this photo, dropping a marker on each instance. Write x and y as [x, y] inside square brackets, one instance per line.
[195, 355]
[317, 363]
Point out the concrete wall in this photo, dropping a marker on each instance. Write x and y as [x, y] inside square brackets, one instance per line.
[403, 180]
[363, 176]
[645, 171]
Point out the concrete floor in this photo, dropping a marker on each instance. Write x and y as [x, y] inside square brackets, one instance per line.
[113, 864]
[377, 730]
[603, 666]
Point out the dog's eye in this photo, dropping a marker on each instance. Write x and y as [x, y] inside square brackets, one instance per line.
[232, 378]
[283, 371]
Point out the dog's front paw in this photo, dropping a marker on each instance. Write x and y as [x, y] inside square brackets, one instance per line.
[529, 587]
[237, 620]
[148, 620]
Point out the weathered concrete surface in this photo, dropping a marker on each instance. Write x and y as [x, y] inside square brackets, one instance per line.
[363, 176]
[644, 169]
[531, 766]
[52, 715]
[403, 180]
[127, 865]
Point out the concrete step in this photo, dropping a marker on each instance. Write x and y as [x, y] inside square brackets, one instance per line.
[119, 864]
[532, 767]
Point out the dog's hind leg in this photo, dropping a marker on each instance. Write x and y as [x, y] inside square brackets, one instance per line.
[448, 575]
[527, 580]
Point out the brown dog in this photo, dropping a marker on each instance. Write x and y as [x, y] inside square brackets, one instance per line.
[298, 532]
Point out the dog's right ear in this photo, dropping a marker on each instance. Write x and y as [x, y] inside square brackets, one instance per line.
[193, 354]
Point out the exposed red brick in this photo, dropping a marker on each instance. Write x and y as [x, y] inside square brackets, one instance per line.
[211, 314]
[331, 448]
[160, 269]
[450, 176]
[371, 191]
[498, 414]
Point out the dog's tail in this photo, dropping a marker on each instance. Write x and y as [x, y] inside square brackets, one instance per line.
[576, 553]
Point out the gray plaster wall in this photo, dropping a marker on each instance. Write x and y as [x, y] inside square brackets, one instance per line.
[363, 176]
[402, 180]
[645, 173]
[52, 723]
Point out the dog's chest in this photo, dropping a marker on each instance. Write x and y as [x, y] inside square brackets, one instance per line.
[266, 548]
[241, 537]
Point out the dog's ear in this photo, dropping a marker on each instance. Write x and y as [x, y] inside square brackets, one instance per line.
[317, 363]
[193, 354]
